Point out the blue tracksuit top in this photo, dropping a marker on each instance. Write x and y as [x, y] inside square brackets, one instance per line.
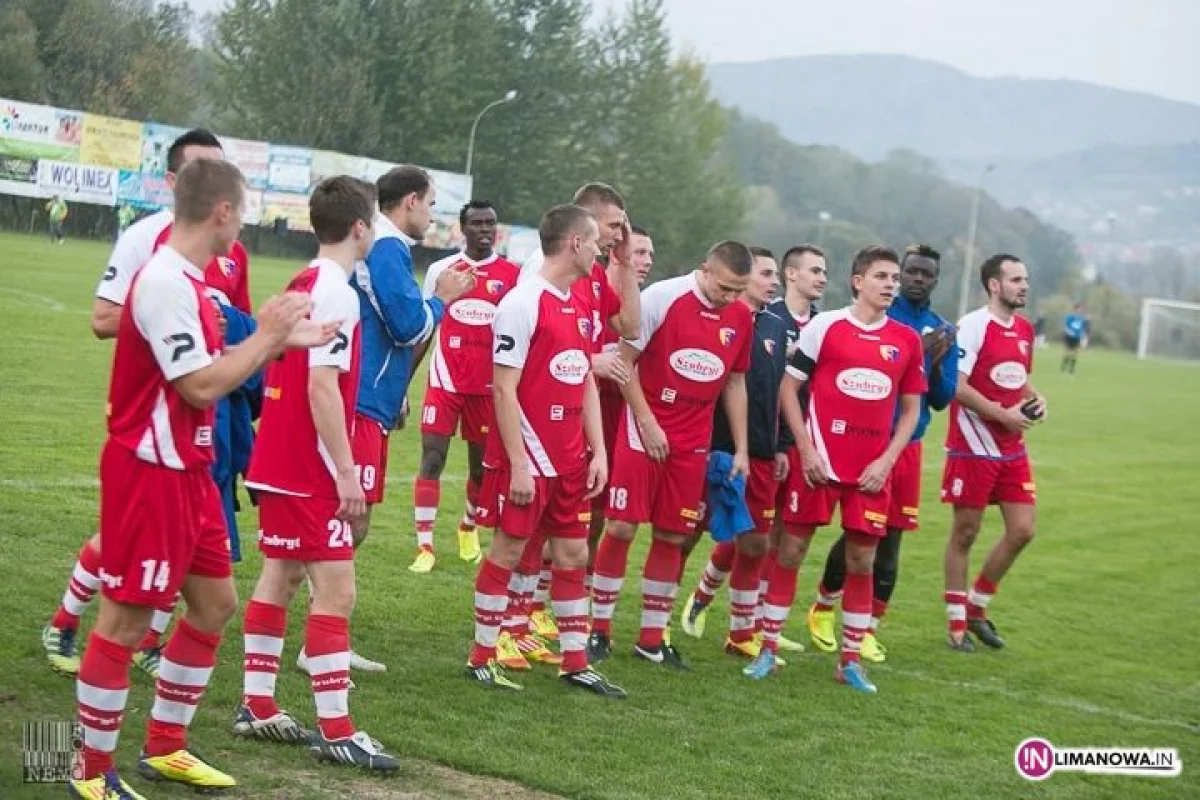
[395, 319]
[941, 386]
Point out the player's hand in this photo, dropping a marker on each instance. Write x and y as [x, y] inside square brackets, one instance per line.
[281, 313]
[352, 503]
[620, 250]
[654, 439]
[783, 465]
[814, 467]
[610, 366]
[312, 334]
[520, 488]
[741, 466]
[875, 476]
[1039, 408]
[597, 475]
[454, 283]
[1015, 419]
[937, 343]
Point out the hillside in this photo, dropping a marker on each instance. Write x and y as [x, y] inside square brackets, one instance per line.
[872, 104]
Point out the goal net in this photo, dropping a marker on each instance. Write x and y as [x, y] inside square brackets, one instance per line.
[1169, 329]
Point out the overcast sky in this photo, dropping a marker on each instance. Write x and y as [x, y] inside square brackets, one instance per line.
[1145, 45]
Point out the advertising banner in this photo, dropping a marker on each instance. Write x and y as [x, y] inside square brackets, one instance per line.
[252, 213]
[81, 183]
[34, 131]
[147, 192]
[18, 176]
[292, 207]
[156, 140]
[453, 192]
[289, 169]
[111, 142]
[252, 158]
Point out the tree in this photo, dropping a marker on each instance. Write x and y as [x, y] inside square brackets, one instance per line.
[21, 72]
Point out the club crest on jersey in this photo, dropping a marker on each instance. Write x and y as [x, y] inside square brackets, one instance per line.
[495, 287]
[228, 265]
[726, 335]
[890, 352]
[596, 288]
[585, 327]
[769, 346]
[1023, 346]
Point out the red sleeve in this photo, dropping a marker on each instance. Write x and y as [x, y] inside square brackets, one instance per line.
[241, 292]
[741, 362]
[913, 380]
[609, 300]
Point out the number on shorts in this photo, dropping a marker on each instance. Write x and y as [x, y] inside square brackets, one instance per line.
[793, 502]
[956, 487]
[155, 575]
[339, 534]
[366, 477]
[618, 498]
[429, 415]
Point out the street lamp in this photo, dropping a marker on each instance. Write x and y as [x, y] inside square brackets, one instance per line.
[965, 290]
[508, 98]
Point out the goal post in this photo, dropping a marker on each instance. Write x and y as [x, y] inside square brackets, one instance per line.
[1169, 329]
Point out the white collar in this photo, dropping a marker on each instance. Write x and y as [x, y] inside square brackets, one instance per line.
[386, 229]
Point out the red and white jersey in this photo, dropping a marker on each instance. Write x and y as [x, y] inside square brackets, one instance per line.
[546, 334]
[997, 360]
[289, 457]
[227, 277]
[168, 329]
[462, 356]
[610, 341]
[595, 292]
[856, 374]
[688, 349]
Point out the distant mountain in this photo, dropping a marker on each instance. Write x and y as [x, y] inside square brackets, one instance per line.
[872, 104]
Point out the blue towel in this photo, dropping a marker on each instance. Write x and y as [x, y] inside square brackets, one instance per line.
[728, 515]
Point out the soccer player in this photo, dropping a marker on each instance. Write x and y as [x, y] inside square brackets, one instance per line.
[1075, 333]
[227, 279]
[986, 461]
[859, 365]
[694, 349]
[161, 523]
[919, 271]
[56, 212]
[395, 319]
[768, 460]
[547, 417]
[310, 496]
[460, 379]
[804, 278]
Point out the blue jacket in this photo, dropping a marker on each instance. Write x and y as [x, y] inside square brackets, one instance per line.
[235, 429]
[728, 515]
[942, 385]
[768, 360]
[395, 319]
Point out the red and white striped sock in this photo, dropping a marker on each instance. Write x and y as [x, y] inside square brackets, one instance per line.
[183, 675]
[265, 627]
[542, 593]
[878, 611]
[570, 603]
[660, 583]
[826, 599]
[979, 597]
[491, 601]
[856, 613]
[716, 572]
[102, 690]
[608, 576]
[158, 625]
[81, 588]
[956, 611]
[743, 595]
[781, 593]
[327, 642]
[515, 618]
[764, 578]
[427, 495]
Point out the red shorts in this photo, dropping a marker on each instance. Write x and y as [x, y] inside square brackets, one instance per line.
[302, 528]
[790, 495]
[905, 504]
[761, 490]
[558, 507]
[370, 448]
[980, 482]
[157, 526]
[485, 509]
[442, 410]
[861, 512]
[612, 406]
[669, 495]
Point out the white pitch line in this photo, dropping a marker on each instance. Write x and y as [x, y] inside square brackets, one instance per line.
[48, 302]
[1044, 699]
